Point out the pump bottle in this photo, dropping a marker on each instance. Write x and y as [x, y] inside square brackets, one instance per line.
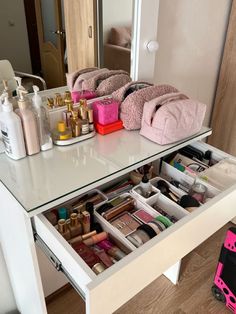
[42, 123]
[29, 124]
[11, 129]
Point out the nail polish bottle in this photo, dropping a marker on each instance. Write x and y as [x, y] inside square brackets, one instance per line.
[74, 226]
[145, 186]
[63, 229]
[90, 118]
[68, 112]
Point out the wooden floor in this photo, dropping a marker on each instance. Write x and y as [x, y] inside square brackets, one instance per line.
[191, 295]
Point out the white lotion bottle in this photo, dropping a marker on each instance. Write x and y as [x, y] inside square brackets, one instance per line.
[29, 123]
[42, 122]
[11, 129]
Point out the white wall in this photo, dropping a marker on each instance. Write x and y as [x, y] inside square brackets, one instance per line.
[7, 301]
[116, 13]
[191, 35]
[14, 39]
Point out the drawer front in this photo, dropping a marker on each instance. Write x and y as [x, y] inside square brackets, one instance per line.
[112, 288]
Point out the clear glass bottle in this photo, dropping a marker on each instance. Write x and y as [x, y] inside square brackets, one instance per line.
[62, 132]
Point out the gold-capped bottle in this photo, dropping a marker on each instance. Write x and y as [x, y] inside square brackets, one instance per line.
[75, 124]
[68, 112]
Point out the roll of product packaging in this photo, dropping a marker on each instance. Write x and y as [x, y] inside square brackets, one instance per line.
[127, 205]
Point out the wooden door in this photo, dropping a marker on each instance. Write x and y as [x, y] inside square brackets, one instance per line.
[51, 41]
[224, 109]
[81, 42]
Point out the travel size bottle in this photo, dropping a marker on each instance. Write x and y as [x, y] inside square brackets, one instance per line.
[12, 132]
[84, 122]
[29, 123]
[42, 123]
[90, 118]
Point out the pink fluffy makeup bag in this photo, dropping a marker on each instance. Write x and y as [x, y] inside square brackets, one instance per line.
[133, 96]
[107, 82]
[171, 117]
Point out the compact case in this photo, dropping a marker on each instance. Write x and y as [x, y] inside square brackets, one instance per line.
[105, 111]
[109, 128]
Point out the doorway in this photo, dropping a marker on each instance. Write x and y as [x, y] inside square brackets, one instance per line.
[46, 34]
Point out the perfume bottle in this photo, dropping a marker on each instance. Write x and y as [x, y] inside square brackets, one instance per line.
[58, 100]
[62, 132]
[68, 113]
[84, 122]
[83, 106]
[90, 118]
[75, 124]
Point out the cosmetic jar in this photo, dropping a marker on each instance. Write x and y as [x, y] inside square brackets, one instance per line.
[166, 222]
[139, 237]
[198, 191]
[98, 268]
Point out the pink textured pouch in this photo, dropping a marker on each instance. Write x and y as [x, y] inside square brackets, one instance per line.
[133, 96]
[93, 83]
[105, 111]
[112, 83]
[171, 118]
[71, 77]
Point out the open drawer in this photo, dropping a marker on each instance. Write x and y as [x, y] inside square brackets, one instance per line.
[115, 286]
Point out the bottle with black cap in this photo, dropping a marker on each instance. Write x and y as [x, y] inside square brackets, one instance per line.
[145, 186]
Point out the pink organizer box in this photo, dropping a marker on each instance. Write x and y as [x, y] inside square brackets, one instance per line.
[105, 111]
[83, 94]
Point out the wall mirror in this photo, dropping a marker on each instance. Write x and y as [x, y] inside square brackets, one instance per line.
[37, 31]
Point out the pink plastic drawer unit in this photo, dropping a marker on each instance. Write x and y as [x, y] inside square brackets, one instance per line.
[224, 288]
[105, 111]
[83, 94]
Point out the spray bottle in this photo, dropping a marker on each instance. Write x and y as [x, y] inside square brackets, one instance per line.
[11, 129]
[42, 122]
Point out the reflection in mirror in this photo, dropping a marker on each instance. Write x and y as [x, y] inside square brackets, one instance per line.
[116, 26]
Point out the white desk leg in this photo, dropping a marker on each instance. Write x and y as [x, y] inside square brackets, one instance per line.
[173, 273]
[19, 251]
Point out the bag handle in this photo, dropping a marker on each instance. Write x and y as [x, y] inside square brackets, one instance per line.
[152, 106]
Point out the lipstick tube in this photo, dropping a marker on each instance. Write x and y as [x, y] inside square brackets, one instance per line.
[96, 238]
[86, 221]
[83, 237]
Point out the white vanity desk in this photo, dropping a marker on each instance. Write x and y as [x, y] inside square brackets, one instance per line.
[37, 183]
